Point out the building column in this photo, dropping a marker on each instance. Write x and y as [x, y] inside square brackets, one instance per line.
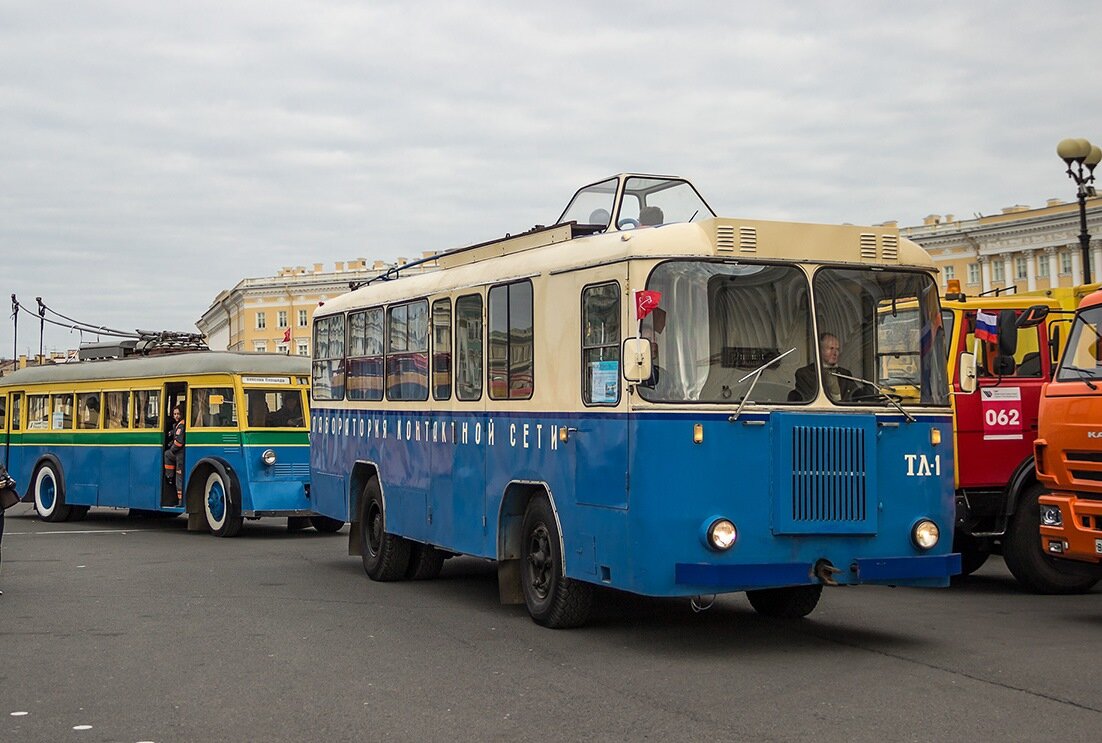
[1076, 267]
[1008, 271]
[1053, 269]
[985, 274]
[1030, 271]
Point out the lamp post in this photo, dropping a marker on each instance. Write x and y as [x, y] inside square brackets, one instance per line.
[1077, 153]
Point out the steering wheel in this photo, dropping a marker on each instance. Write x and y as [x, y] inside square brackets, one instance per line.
[627, 222]
[872, 396]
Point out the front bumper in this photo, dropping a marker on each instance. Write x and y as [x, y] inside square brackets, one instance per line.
[910, 569]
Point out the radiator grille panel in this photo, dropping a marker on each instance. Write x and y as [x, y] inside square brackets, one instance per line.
[828, 476]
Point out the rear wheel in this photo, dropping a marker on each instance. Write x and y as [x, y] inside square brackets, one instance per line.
[326, 524]
[385, 556]
[49, 495]
[794, 602]
[222, 511]
[1027, 561]
[553, 600]
[425, 562]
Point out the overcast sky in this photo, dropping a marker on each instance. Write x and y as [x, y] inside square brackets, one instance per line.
[152, 155]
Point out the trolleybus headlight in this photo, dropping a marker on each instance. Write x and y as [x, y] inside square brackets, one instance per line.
[925, 534]
[722, 535]
[268, 457]
[1050, 516]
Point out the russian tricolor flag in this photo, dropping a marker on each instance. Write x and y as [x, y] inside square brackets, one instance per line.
[986, 324]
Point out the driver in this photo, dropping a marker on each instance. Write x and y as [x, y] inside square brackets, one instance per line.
[837, 388]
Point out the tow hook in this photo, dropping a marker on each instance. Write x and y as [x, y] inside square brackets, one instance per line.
[825, 572]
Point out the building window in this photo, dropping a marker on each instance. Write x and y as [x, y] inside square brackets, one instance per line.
[303, 350]
[260, 347]
[999, 274]
[950, 272]
[1020, 267]
[1042, 266]
[601, 344]
[510, 341]
[302, 318]
[261, 321]
[1065, 263]
[282, 348]
[282, 318]
[973, 273]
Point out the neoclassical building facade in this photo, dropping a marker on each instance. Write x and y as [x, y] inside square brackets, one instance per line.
[272, 314]
[1031, 249]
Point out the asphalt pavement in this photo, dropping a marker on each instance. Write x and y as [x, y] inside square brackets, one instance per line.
[121, 629]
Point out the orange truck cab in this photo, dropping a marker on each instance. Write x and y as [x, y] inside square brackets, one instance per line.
[1069, 449]
[1020, 337]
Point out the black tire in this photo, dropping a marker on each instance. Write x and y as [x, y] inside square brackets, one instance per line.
[425, 562]
[794, 602]
[553, 600]
[1027, 561]
[49, 494]
[385, 556]
[326, 525]
[972, 560]
[220, 506]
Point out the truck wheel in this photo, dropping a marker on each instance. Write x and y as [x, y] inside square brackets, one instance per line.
[425, 562]
[794, 602]
[49, 495]
[1027, 561]
[385, 556]
[553, 600]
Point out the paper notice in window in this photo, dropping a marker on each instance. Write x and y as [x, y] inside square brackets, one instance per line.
[604, 381]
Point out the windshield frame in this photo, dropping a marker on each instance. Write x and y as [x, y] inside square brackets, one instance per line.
[1068, 372]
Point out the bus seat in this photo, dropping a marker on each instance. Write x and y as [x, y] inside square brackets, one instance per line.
[1031, 365]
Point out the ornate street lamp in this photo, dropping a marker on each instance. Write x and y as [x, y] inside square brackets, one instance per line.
[1077, 153]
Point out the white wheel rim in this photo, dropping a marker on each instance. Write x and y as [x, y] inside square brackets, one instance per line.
[45, 480]
[215, 490]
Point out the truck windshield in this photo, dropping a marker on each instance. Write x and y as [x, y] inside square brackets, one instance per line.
[1083, 357]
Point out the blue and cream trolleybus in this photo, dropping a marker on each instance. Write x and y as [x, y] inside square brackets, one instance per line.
[647, 397]
[92, 433]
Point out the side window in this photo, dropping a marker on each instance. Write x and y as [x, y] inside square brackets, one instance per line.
[601, 344]
[1027, 356]
[16, 411]
[407, 358]
[468, 347]
[212, 407]
[147, 409]
[3, 412]
[328, 376]
[88, 410]
[510, 340]
[441, 349]
[62, 415]
[38, 412]
[116, 408]
[365, 355]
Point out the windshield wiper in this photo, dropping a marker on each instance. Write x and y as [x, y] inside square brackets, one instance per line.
[884, 392]
[756, 374]
[1084, 374]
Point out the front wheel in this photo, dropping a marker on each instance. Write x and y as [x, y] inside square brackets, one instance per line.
[1027, 561]
[425, 562]
[49, 495]
[221, 510]
[794, 602]
[326, 524]
[553, 600]
[385, 556]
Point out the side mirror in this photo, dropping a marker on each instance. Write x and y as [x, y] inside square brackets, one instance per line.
[1033, 316]
[637, 360]
[1008, 333]
[967, 364]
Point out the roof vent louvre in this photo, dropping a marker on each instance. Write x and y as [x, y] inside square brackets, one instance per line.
[889, 247]
[725, 238]
[868, 246]
[747, 239]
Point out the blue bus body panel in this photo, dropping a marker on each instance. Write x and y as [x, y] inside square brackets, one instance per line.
[800, 487]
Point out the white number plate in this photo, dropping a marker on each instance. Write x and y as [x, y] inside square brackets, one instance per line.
[1098, 546]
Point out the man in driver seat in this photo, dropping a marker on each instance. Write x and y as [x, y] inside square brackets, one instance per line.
[837, 388]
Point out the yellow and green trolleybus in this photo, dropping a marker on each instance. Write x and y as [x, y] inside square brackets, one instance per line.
[92, 433]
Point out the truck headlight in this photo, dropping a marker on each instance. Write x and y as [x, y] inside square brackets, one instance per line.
[1051, 516]
[268, 457]
[925, 534]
